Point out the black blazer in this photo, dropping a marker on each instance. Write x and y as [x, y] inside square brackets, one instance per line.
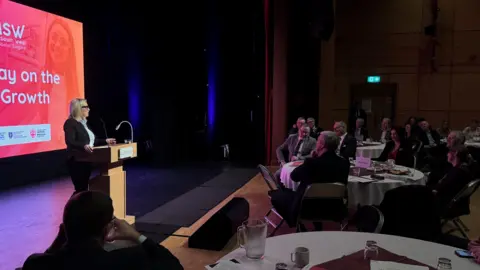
[348, 149]
[404, 155]
[76, 137]
[422, 136]
[148, 255]
[363, 132]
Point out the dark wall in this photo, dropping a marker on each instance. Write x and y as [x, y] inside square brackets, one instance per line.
[156, 52]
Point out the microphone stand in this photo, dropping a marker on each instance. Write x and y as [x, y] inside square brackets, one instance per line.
[131, 130]
[104, 128]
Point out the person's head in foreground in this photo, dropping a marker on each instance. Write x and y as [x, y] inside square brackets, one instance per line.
[386, 124]
[340, 128]
[300, 122]
[458, 155]
[455, 138]
[88, 217]
[79, 109]
[327, 141]
[303, 131]
[359, 123]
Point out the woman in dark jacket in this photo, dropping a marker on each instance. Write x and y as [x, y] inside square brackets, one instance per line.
[398, 149]
[80, 140]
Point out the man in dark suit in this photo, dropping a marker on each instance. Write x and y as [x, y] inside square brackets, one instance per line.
[348, 144]
[360, 131]
[88, 223]
[325, 167]
[428, 136]
[314, 130]
[356, 112]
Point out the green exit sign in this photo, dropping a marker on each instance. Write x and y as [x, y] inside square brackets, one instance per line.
[373, 79]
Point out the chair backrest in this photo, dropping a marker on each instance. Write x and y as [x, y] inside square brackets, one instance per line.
[467, 191]
[268, 177]
[417, 146]
[325, 191]
[369, 219]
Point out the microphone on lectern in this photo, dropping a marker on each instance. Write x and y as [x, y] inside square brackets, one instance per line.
[131, 129]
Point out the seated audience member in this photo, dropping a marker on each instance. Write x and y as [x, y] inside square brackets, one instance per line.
[473, 130]
[360, 132]
[347, 147]
[88, 223]
[386, 127]
[428, 136]
[325, 167]
[314, 130]
[410, 135]
[299, 146]
[444, 130]
[457, 177]
[300, 122]
[397, 149]
[440, 166]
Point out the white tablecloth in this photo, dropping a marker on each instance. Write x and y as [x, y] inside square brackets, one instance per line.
[326, 246]
[475, 144]
[361, 193]
[371, 151]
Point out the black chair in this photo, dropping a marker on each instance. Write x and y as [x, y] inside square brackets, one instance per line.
[272, 185]
[456, 209]
[320, 194]
[368, 219]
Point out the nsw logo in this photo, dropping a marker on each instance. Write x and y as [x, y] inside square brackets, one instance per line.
[33, 133]
[10, 135]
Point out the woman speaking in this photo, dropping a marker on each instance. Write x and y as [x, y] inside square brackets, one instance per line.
[79, 138]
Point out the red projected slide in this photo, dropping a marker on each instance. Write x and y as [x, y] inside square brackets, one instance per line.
[41, 70]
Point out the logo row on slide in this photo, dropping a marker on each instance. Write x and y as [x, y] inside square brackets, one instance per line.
[12, 135]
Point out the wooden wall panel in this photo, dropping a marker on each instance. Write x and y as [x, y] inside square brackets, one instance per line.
[460, 120]
[378, 37]
[466, 50]
[466, 15]
[465, 92]
[434, 92]
[401, 117]
[435, 118]
[407, 91]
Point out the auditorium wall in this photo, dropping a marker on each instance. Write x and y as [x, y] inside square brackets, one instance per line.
[386, 38]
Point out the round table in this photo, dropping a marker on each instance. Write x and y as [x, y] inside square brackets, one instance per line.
[326, 246]
[359, 192]
[475, 144]
[371, 150]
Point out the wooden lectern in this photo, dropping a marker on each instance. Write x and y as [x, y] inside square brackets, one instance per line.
[112, 177]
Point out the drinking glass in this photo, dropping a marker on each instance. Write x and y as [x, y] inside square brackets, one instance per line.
[252, 236]
[356, 171]
[391, 164]
[371, 250]
[444, 264]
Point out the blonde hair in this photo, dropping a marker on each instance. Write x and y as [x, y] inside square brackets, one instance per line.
[76, 107]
